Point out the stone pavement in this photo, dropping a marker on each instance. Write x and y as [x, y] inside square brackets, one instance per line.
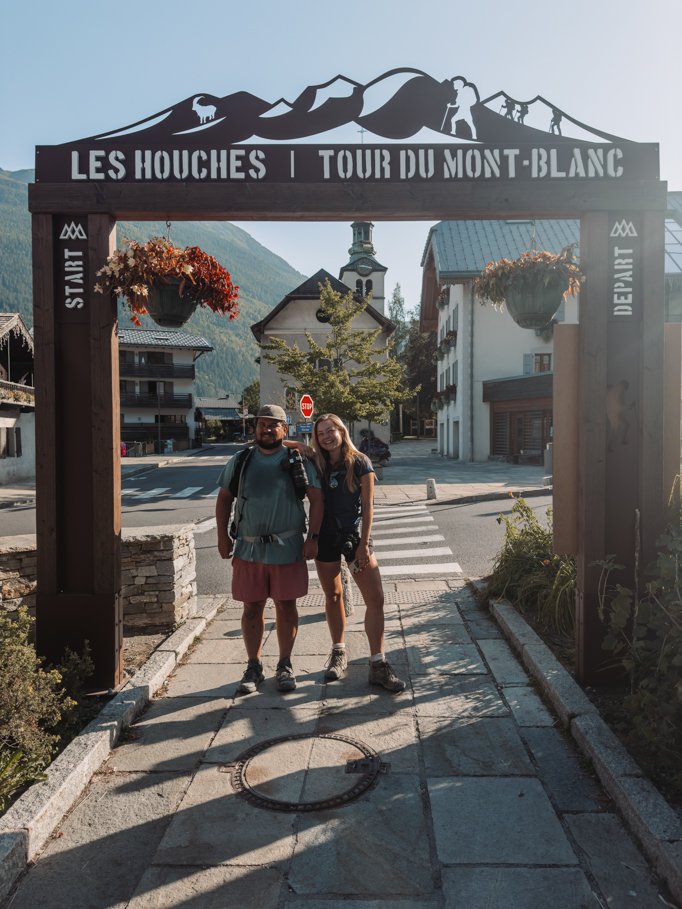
[484, 802]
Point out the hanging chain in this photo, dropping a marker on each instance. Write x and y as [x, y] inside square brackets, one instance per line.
[168, 230]
[533, 245]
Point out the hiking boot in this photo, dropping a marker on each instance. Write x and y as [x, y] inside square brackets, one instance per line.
[336, 665]
[284, 676]
[380, 673]
[253, 676]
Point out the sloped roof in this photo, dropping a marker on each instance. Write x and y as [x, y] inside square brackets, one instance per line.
[310, 290]
[12, 323]
[363, 262]
[463, 248]
[161, 337]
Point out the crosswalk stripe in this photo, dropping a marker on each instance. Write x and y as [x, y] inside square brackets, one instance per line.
[400, 512]
[186, 492]
[437, 537]
[153, 493]
[427, 519]
[211, 495]
[378, 530]
[417, 553]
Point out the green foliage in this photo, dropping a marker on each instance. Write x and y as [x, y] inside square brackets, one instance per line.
[530, 575]
[263, 278]
[32, 703]
[250, 398]
[396, 313]
[645, 638]
[347, 374]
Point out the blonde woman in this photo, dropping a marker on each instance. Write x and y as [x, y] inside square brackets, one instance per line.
[348, 486]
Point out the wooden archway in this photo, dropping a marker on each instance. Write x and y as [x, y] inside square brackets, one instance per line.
[613, 486]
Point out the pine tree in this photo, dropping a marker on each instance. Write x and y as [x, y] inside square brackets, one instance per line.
[347, 374]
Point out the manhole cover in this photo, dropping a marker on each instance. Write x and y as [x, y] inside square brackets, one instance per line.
[306, 772]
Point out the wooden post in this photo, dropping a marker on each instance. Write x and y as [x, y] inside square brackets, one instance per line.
[78, 516]
[620, 474]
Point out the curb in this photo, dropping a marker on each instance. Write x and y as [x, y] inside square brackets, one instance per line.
[650, 819]
[498, 495]
[31, 820]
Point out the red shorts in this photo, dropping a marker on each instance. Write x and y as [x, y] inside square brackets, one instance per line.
[255, 581]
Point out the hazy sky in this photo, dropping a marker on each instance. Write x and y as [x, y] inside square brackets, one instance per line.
[74, 68]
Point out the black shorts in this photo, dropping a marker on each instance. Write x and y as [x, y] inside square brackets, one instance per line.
[330, 546]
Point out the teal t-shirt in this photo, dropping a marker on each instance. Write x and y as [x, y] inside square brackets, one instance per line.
[269, 505]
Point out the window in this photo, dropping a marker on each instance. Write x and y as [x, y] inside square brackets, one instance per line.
[358, 287]
[368, 287]
[542, 362]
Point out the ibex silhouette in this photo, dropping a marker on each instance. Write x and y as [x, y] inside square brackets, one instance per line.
[203, 111]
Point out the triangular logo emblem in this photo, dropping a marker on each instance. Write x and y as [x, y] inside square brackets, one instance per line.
[623, 229]
[73, 231]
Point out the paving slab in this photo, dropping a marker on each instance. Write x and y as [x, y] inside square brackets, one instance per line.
[503, 663]
[173, 734]
[518, 888]
[208, 888]
[243, 729]
[444, 658]
[479, 820]
[527, 706]
[486, 746]
[360, 850]
[616, 864]
[215, 826]
[99, 855]
[222, 627]
[570, 783]
[452, 695]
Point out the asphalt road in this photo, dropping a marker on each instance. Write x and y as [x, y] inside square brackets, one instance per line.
[184, 492]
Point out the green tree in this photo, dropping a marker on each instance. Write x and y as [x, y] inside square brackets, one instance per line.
[419, 361]
[251, 397]
[346, 374]
[396, 313]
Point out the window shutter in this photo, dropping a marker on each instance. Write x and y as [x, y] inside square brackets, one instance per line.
[528, 364]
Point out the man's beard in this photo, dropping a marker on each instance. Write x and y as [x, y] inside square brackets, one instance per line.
[269, 444]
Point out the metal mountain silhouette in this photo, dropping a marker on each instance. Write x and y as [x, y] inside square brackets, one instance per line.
[396, 105]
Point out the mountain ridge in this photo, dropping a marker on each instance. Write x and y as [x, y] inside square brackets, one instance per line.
[264, 278]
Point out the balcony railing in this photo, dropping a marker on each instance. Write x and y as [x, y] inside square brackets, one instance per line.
[155, 371]
[13, 392]
[179, 402]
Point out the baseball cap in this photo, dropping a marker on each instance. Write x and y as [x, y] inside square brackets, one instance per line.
[273, 411]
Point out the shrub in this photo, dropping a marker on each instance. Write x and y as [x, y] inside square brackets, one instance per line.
[32, 703]
[530, 575]
[645, 638]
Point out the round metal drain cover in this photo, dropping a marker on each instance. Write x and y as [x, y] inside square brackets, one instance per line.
[306, 772]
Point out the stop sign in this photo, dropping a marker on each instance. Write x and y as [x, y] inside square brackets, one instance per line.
[306, 405]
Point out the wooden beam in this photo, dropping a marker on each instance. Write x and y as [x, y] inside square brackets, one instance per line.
[345, 201]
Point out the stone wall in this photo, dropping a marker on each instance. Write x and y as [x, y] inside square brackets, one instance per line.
[158, 574]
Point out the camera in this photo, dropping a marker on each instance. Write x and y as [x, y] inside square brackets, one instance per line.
[299, 477]
[348, 543]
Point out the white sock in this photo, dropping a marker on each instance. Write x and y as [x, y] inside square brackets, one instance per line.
[377, 658]
[338, 646]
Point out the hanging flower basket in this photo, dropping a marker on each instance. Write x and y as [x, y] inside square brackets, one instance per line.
[168, 283]
[532, 286]
[167, 306]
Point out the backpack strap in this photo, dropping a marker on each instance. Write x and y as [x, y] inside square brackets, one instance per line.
[236, 486]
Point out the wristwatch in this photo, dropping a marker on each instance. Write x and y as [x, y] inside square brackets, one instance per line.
[313, 536]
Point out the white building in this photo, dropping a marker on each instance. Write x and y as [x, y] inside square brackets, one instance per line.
[156, 370]
[494, 379]
[17, 401]
[299, 311]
